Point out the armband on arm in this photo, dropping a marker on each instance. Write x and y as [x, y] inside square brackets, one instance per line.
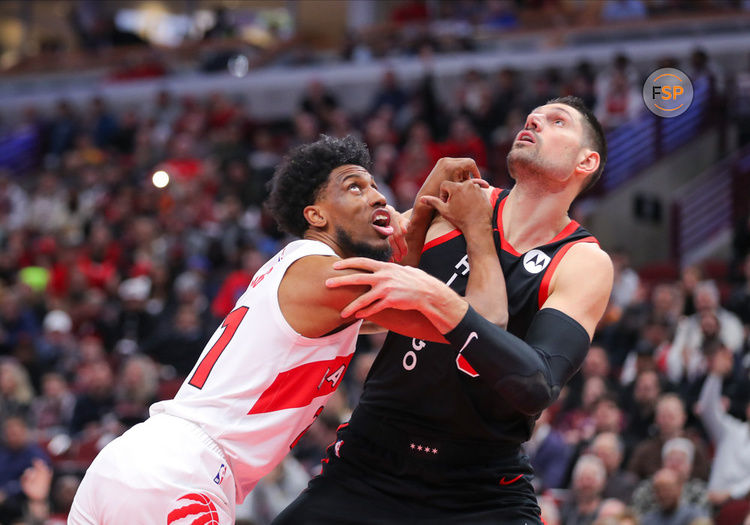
[527, 373]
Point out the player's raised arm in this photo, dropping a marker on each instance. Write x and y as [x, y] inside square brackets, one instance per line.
[446, 169]
[530, 373]
[466, 206]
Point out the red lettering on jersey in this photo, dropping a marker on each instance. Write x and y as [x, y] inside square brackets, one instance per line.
[298, 387]
[255, 282]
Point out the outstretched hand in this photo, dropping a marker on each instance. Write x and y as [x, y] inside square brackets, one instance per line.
[36, 480]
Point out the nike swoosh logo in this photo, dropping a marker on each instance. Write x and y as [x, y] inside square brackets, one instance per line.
[472, 335]
[508, 482]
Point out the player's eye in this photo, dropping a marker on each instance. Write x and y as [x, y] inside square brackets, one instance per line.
[354, 187]
[559, 122]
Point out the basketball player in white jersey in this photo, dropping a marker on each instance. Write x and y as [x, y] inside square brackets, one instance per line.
[267, 371]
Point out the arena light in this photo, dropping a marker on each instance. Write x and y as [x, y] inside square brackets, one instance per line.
[160, 179]
[238, 65]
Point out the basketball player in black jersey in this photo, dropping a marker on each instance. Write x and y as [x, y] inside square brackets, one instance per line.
[437, 433]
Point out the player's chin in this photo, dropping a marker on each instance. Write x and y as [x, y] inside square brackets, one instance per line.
[379, 250]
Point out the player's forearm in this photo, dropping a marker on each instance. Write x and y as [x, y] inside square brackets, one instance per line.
[527, 374]
[419, 222]
[422, 214]
[485, 289]
[441, 307]
[412, 323]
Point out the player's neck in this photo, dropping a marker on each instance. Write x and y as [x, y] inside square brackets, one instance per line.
[325, 238]
[532, 217]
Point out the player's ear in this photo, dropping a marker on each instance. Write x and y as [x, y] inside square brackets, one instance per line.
[315, 216]
[588, 163]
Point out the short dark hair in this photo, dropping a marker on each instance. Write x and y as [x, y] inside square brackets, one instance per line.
[595, 135]
[303, 173]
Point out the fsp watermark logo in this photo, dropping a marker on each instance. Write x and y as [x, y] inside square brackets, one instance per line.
[668, 92]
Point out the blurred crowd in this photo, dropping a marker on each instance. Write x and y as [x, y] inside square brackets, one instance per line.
[110, 286]
[200, 38]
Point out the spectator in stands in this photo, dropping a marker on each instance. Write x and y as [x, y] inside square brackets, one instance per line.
[236, 283]
[672, 509]
[57, 341]
[475, 101]
[549, 455]
[341, 125]
[18, 453]
[677, 456]
[544, 87]
[639, 404]
[62, 130]
[649, 352]
[319, 102]
[685, 360]
[689, 279]
[670, 421]
[608, 416]
[35, 484]
[661, 309]
[464, 141]
[274, 492]
[136, 389]
[13, 203]
[306, 128]
[180, 342]
[16, 392]
[619, 103]
[705, 74]
[48, 205]
[589, 477]
[418, 156]
[578, 424]
[596, 364]
[101, 123]
[626, 281]
[52, 411]
[610, 511]
[18, 324]
[505, 95]
[609, 447]
[135, 324]
[389, 93]
[582, 84]
[730, 471]
[96, 401]
[63, 492]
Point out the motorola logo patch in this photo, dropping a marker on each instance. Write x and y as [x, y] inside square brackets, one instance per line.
[535, 261]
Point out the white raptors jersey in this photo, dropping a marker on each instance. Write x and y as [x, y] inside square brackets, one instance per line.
[258, 384]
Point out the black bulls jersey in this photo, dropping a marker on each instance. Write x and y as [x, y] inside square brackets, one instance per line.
[423, 386]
